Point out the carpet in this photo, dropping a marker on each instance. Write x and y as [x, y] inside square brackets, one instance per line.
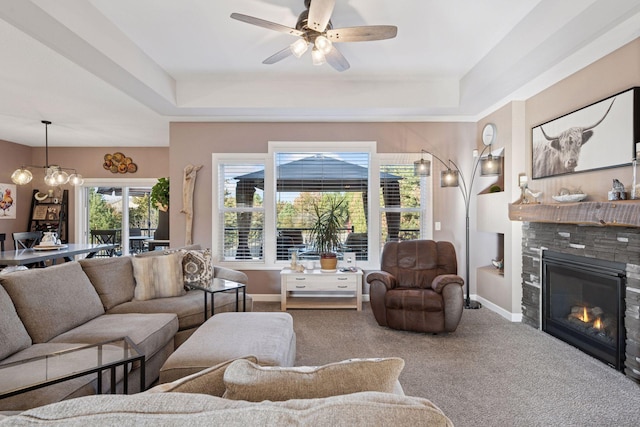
[489, 372]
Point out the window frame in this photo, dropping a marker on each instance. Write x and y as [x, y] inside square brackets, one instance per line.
[269, 261]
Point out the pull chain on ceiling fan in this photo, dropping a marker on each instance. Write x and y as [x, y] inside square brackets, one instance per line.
[314, 28]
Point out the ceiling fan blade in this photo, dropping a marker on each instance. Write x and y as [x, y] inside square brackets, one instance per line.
[279, 56]
[319, 14]
[362, 34]
[337, 60]
[267, 24]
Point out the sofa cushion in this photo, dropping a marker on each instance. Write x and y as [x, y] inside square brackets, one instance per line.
[158, 277]
[245, 380]
[208, 381]
[150, 332]
[52, 300]
[13, 335]
[112, 277]
[155, 409]
[197, 266]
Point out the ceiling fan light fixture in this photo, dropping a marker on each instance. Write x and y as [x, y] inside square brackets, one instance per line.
[318, 57]
[323, 44]
[299, 47]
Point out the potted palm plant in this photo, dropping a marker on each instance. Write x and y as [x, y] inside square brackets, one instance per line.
[330, 216]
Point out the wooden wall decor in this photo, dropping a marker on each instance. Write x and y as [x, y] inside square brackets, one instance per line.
[119, 163]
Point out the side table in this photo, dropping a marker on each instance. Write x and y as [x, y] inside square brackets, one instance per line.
[41, 371]
[343, 289]
[220, 285]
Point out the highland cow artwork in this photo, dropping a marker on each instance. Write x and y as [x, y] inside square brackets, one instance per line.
[599, 136]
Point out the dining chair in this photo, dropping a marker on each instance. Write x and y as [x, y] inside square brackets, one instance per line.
[27, 240]
[2, 237]
[109, 237]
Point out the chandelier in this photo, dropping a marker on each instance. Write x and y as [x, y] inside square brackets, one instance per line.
[53, 174]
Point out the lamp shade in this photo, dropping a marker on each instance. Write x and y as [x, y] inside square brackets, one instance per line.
[449, 178]
[491, 165]
[422, 167]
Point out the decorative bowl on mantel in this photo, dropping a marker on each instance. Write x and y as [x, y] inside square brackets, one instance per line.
[569, 198]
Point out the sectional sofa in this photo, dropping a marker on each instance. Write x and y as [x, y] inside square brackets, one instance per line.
[91, 301]
[356, 392]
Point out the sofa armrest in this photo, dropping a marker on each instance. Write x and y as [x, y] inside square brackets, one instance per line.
[444, 279]
[387, 279]
[230, 274]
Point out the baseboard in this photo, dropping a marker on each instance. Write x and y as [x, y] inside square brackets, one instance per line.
[276, 297]
[512, 317]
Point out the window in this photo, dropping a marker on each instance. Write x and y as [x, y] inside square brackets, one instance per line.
[263, 203]
[303, 181]
[241, 210]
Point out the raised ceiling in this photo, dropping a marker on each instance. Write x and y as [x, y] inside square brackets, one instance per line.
[116, 72]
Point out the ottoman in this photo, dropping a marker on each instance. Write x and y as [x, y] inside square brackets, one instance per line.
[267, 336]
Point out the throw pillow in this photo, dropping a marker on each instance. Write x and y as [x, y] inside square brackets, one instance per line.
[248, 381]
[158, 276]
[197, 266]
[208, 381]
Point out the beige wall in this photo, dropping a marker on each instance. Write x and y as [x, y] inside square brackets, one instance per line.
[612, 74]
[194, 143]
[153, 162]
[11, 157]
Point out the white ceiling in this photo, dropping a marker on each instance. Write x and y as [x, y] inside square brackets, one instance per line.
[116, 72]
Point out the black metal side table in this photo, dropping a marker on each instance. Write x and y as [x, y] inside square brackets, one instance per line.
[37, 372]
[220, 285]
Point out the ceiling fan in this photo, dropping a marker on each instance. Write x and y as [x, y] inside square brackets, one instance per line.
[314, 28]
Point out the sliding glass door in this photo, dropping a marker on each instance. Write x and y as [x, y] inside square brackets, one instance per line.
[117, 212]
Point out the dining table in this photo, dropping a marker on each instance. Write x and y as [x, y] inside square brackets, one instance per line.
[41, 254]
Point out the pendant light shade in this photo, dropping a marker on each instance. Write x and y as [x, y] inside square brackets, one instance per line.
[54, 175]
[422, 167]
[449, 178]
[491, 165]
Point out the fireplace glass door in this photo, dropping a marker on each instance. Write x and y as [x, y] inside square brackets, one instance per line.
[582, 304]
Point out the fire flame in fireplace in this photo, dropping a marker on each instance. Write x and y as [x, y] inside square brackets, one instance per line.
[585, 316]
[597, 324]
[591, 317]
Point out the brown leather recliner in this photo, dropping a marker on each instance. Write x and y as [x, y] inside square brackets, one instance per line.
[418, 288]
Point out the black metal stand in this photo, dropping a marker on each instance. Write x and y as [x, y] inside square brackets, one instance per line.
[468, 303]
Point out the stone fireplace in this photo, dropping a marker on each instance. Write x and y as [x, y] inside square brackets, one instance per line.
[614, 244]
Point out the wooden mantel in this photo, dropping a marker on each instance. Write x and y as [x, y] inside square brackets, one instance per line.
[624, 213]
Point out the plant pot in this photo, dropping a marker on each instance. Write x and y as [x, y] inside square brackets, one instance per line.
[328, 262]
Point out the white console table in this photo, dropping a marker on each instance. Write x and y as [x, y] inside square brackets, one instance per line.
[315, 289]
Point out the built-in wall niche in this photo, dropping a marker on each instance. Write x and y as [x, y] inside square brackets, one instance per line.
[495, 255]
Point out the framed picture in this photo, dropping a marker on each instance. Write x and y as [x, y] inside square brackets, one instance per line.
[599, 136]
[8, 199]
[40, 212]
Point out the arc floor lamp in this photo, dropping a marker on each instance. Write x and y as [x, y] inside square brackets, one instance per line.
[452, 176]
